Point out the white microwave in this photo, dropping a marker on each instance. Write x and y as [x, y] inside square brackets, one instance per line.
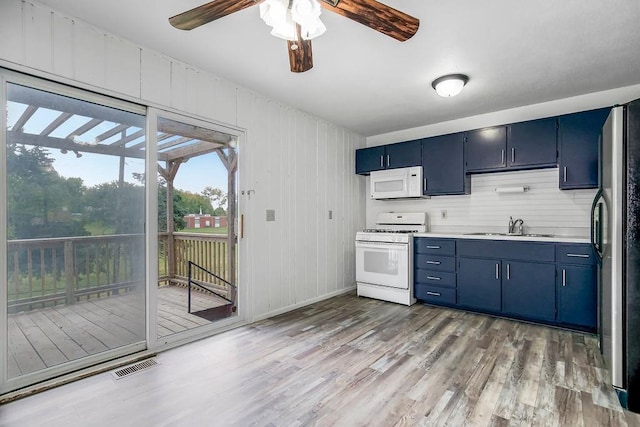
[402, 183]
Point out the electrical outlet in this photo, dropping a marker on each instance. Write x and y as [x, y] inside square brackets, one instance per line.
[271, 215]
[443, 214]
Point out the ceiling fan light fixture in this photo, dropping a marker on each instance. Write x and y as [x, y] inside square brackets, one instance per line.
[450, 85]
[283, 19]
[285, 29]
[273, 12]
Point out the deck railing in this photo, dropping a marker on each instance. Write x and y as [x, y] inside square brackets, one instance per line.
[46, 272]
[65, 270]
[207, 250]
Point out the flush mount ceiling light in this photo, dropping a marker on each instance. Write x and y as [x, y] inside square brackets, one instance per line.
[450, 85]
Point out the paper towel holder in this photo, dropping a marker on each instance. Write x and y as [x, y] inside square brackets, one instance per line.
[513, 189]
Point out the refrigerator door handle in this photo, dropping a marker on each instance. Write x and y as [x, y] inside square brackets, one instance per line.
[595, 226]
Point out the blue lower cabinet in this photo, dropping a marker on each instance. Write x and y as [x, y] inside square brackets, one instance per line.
[528, 290]
[577, 296]
[435, 294]
[479, 283]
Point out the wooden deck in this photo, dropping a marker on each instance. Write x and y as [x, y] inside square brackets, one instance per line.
[47, 337]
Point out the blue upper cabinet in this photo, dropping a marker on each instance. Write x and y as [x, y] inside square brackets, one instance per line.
[370, 159]
[532, 144]
[443, 165]
[486, 149]
[524, 145]
[392, 156]
[578, 143]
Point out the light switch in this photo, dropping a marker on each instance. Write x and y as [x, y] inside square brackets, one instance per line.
[271, 215]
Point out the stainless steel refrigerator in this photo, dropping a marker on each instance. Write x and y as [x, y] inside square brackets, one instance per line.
[616, 237]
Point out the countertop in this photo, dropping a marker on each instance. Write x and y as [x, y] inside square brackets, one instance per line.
[554, 239]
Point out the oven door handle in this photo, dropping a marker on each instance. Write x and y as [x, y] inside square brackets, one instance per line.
[381, 245]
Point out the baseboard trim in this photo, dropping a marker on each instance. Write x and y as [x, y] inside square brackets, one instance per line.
[303, 304]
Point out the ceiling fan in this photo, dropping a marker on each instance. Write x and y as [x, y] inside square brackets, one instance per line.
[373, 14]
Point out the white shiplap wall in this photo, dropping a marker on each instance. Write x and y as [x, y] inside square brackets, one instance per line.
[292, 162]
[544, 208]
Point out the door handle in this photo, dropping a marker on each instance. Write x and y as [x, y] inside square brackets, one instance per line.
[513, 155]
[502, 158]
[497, 271]
[241, 226]
[565, 173]
[508, 271]
[381, 161]
[564, 277]
[425, 186]
[388, 160]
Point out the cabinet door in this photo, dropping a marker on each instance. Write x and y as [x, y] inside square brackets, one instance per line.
[443, 165]
[479, 283]
[404, 154]
[370, 159]
[532, 144]
[578, 142]
[486, 149]
[577, 295]
[528, 289]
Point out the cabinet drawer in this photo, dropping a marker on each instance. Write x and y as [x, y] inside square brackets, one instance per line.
[435, 262]
[516, 250]
[576, 254]
[437, 278]
[434, 246]
[435, 294]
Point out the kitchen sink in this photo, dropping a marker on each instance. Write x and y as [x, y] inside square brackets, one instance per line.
[486, 234]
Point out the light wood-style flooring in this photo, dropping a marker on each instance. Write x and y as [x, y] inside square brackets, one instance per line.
[352, 361]
[50, 336]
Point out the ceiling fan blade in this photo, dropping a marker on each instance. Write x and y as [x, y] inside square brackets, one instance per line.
[377, 16]
[300, 54]
[209, 12]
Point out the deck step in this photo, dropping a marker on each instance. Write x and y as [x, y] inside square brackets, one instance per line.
[216, 313]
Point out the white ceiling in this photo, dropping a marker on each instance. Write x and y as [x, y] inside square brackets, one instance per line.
[515, 52]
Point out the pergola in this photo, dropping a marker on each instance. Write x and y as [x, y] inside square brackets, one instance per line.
[109, 131]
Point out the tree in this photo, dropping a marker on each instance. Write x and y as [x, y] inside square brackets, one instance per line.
[217, 197]
[195, 203]
[101, 203]
[40, 203]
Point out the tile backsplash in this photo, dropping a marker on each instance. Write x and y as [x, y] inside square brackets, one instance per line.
[544, 208]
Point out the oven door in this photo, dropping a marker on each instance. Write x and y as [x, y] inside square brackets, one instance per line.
[385, 264]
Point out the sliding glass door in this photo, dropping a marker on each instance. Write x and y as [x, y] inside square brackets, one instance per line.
[73, 208]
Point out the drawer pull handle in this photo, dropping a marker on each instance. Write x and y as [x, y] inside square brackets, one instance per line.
[433, 262]
[433, 247]
[435, 294]
[433, 278]
[578, 256]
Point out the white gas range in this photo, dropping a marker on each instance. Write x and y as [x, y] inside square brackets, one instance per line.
[384, 260]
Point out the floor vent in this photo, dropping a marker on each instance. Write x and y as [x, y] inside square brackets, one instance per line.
[132, 369]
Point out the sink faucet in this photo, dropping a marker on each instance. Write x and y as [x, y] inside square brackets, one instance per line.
[515, 223]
